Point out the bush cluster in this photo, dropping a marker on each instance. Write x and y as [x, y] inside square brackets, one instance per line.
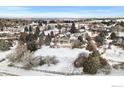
[92, 63]
[90, 67]
[4, 45]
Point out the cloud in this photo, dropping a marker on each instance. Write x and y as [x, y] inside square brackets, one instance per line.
[96, 11]
[29, 12]
[55, 15]
[16, 8]
[38, 15]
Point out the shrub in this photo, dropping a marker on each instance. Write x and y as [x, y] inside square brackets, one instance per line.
[76, 44]
[42, 62]
[27, 66]
[115, 66]
[113, 35]
[95, 53]
[90, 67]
[106, 69]
[92, 63]
[88, 38]
[22, 55]
[103, 61]
[95, 57]
[80, 38]
[4, 45]
[23, 37]
[99, 40]
[32, 46]
[11, 64]
[79, 61]
[29, 61]
[49, 27]
[122, 45]
[48, 39]
[50, 60]
[12, 57]
[96, 60]
[91, 46]
[17, 54]
[119, 66]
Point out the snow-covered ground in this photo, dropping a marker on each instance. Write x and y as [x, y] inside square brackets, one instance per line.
[115, 54]
[65, 56]
[4, 54]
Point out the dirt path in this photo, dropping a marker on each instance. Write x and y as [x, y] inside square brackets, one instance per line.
[50, 72]
[6, 74]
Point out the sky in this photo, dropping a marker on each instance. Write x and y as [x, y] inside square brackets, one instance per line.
[61, 11]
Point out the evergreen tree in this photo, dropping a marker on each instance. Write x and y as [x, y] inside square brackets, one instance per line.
[44, 22]
[73, 28]
[31, 42]
[102, 34]
[52, 34]
[40, 23]
[49, 27]
[43, 33]
[80, 38]
[30, 37]
[26, 29]
[90, 67]
[23, 37]
[32, 46]
[100, 40]
[1, 28]
[30, 29]
[59, 27]
[113, 35]
[37, 31]
[41, 40]
[48, 39]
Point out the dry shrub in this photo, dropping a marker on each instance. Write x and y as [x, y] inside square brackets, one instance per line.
[29, 61]
[105, 66]
[25, 57]
[118, 66]
[11, 64]
[79, 61]
[76, 44]
[50, 60]
[17, 54]
[91, 46]
[106, 69]
[103, 61]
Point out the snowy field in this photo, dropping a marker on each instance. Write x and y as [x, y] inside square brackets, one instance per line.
[65, 57]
